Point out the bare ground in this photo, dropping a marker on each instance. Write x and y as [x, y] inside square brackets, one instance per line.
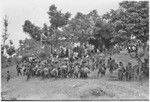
[70, 89]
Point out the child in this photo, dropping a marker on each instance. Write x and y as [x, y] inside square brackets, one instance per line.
[8, 76]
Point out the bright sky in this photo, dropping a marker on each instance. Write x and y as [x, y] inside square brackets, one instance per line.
[36, 11]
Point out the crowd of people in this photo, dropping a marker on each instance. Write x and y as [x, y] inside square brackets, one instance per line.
[131, 72]
[77, 67]
[72, 67]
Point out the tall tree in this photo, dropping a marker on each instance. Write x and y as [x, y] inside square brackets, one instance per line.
[5, 35]
[33, 31]
[57, 18]
[80, 28]
[131, 19]
[103, 35]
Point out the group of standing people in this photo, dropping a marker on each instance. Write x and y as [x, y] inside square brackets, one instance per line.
[130, 72]
[75, 67]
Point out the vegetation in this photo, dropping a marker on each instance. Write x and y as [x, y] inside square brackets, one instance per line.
[115, 28]
[5, 48]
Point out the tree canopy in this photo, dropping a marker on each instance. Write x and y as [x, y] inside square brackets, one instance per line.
[33, 31]
[57, 18]
[132, 18]
[114, 27]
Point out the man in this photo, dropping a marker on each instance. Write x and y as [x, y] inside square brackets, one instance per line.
[45, 72]
[102, 70]
[121, 71]
[8, 76]
[128, 71]
[71, 59]
[28, 72]
[70, 70]
[145, 67]
[18, 68]
[109, 64]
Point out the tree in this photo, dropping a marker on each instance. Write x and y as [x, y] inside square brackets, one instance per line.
[48, 34]
[131, 19]
[51, 34]
[103, 35]
[30, 47]
[4, 39]
[80, 28]
[33, 31]
[57, 18]
[5, 35]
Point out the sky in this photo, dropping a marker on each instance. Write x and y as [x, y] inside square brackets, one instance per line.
[18, 11]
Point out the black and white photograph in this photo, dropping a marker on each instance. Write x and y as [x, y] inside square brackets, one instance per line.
[74, 50]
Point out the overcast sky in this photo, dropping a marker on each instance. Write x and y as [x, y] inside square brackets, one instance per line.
[36, 11]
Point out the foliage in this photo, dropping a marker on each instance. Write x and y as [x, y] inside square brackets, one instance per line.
[5, 35]
[132, 18]
[103, 34]
[11, 50]
[45, 30]
[80, 28]
[29, 47]
[33, 31]
[57, 18]
[114, 27]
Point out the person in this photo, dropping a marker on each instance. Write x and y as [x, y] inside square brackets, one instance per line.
[121, 71]
[28, 72]
[132, 72]
[18, 70]
[128, 71]
[45, 72]
[108, 62]
[8, 76]
[102, 69]
[71, 59]
[145, 67]
[111, 65]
